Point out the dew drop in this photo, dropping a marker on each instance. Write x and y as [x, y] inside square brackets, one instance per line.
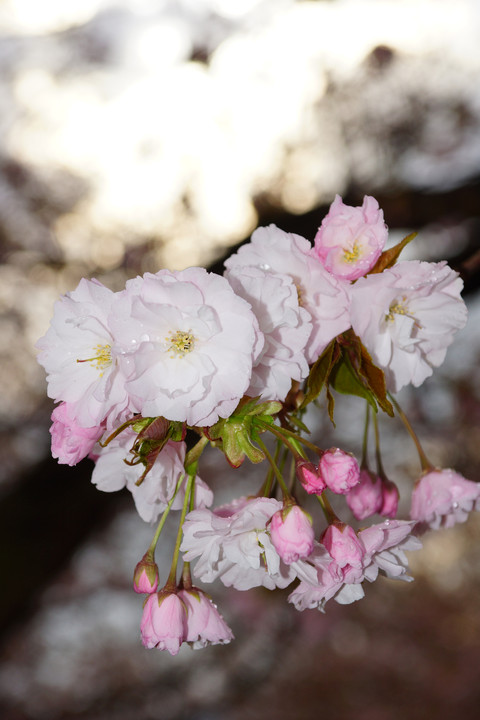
[455, 505]
[387, 522]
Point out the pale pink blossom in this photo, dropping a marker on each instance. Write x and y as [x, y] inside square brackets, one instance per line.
[351, 239]
[71, 442]
[164, 622]
[157, 488]
[81, 357]
[291, 533]
[339, 470]
[205, 625]
[232, 543]
[309, 476]
[406, 317]
[366, 498]
[188, 342]
[325, 297]
[343, 545]
[285, 325]
[442, 498]
[322, 579]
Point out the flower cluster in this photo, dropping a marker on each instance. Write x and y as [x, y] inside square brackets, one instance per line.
[147, 378]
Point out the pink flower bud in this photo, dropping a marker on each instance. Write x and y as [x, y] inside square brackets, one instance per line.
[205, 625]
[351, 239]
[145, 577]
[344, 546]
[292, 533]
[390, 497]
[339, 470]
[164, 622]
[310, 478]
[366, 498]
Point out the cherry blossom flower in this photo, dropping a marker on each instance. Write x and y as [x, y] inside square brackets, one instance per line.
[233, 544]
[286, 328]
[291, 533]
[321, 294]
[164, 622]
[157, 488]
[339, 470]
[182, 333]
[442, 498]
[351, 239]
[406, 317]
[81, 357]
[385, 546]
[205, 625]
[366, 498]
[71, 442]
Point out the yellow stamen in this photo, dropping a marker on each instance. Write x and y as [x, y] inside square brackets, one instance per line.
[102, 359]
[351, 256]
[397, 308]
[180, 343]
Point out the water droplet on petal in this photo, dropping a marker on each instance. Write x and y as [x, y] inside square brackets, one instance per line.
[455, 505]
[387, 522]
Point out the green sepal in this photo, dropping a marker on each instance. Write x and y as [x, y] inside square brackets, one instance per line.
[141, 423]
[389, 257]
[238, 432]
[320, 372]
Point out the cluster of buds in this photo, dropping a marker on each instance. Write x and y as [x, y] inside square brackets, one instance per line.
[148, 378]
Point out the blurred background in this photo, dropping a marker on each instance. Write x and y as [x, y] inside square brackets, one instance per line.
[140, 134]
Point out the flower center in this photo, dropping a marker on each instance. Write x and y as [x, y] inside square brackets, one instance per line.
[180, 343]
[397, 308]
[102, 359]
[351, 256]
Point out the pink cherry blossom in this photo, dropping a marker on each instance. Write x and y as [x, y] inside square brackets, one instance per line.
[156, 490]
[164, 622]
[339, 470]
[181, 335]
[205, 625]
[322, 578]
[322, 295]
[366, 498]
[442, 498]
[309, 476]
[81, 357]
[292, 533]
[71, 442]
[343, 545]
[232, 543]
[285, 325]
[351, 239]
[406, 317]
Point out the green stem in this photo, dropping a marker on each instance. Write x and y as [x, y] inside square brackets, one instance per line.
[284, 434]
[424, 461]
[328, 511]
[153, 544]
[378, 454]
[171, 583]
[192, 457]
[278, 474]
[364, 462]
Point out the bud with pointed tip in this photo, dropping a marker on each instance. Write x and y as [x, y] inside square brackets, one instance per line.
[145, 577]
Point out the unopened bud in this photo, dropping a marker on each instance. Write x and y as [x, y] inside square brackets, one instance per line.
[145, 577]
[310, 478]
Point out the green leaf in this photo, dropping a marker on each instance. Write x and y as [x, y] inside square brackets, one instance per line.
[346, 382]
[390, 257]
[375, 378]
[320, 372]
